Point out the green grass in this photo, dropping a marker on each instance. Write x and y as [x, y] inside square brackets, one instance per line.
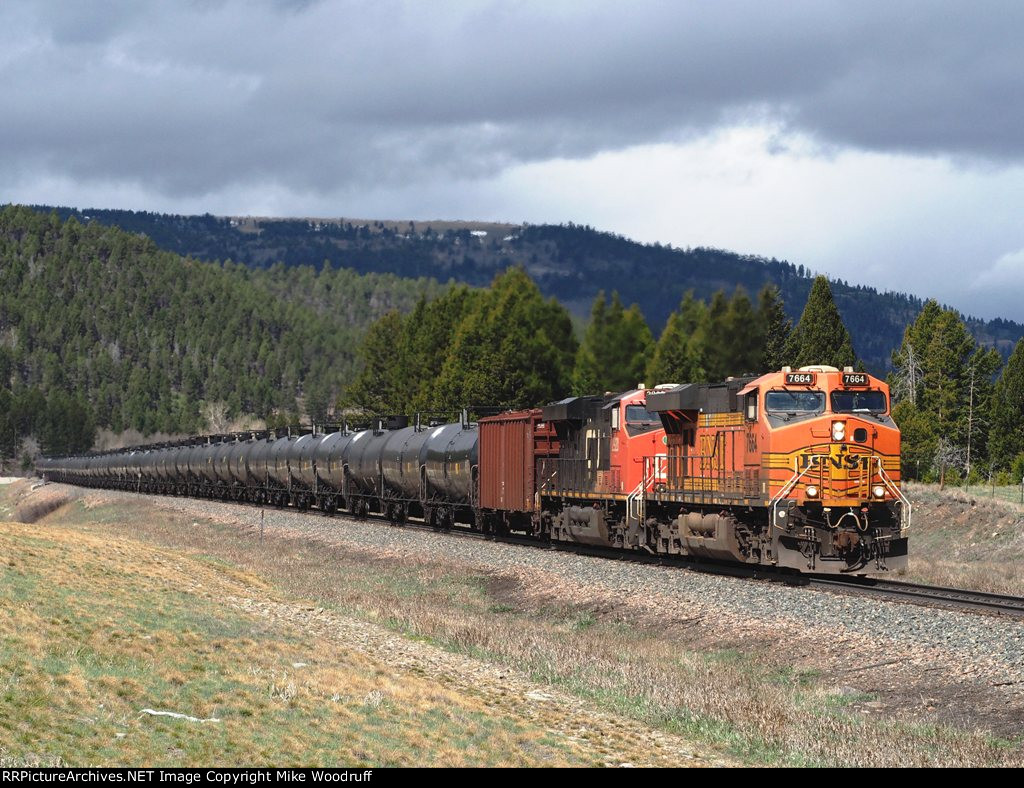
[91, 632]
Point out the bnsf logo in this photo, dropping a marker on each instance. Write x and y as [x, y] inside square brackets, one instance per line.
[850, 462]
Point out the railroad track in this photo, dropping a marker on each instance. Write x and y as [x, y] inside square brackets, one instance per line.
[959, 599]
[929, 596]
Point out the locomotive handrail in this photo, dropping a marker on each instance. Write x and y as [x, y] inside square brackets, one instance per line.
[786, 489]
[637, 498]
[906, 509]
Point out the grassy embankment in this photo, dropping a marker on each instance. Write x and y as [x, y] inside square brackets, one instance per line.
[95, 627]
[967, 539]
[127, 612]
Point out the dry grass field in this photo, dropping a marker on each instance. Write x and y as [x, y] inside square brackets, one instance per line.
[95, 627]
[967, 539]
[93, 630]
[108, 607]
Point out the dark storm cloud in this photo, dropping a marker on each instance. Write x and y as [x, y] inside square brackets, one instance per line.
[189, 98]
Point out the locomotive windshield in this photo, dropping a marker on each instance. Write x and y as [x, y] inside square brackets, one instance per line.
[794, 403]
[858, 402]
[637, 414]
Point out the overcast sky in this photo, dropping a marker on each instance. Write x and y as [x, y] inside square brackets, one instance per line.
[882, 143]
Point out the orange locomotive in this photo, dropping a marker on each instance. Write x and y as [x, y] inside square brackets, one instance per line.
[797, 469]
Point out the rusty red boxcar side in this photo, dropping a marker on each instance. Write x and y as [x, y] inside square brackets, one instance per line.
[506, 461]
[509, 446]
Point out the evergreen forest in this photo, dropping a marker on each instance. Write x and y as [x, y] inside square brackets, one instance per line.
[102, 330]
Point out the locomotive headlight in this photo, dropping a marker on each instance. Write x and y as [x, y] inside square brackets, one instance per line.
[838, 430]
[878, 491]
[812, 491]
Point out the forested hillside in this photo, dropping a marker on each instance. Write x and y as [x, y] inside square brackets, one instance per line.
[99, 326]
[571, 263]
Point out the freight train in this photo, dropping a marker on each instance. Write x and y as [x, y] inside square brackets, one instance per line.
[797, 469]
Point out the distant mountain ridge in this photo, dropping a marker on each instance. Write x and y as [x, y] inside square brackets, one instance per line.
[569, 262]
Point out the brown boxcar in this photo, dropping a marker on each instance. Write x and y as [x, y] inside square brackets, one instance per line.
[509, 446]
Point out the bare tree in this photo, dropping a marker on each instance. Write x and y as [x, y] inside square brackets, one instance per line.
[948, 455]
[907, 376]
[215, 414]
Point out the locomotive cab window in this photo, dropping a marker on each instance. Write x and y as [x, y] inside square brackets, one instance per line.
[752, 406]
[858, 402]
[794, 403]
[638, 414]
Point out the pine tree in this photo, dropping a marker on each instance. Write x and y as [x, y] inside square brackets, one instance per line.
[776, 328]
[1006, 440]
[716, 347]
[634, 345]
[975, 415]
[381, 388]
[513, 349]
[820, 337]
[743, 336]
[615, 349]
[428, 338]
[918, 438]
[944, 360]
[942, 384]
[695, 323]
[588, 374]
[673, 360]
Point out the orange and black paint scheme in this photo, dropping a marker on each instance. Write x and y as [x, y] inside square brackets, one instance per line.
[797, 469]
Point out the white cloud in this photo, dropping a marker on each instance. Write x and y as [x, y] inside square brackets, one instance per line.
[1005, 277]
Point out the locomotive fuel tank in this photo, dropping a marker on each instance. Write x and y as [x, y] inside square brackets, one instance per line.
[449, 457]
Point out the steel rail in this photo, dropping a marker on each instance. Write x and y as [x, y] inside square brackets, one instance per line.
[963, 599]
